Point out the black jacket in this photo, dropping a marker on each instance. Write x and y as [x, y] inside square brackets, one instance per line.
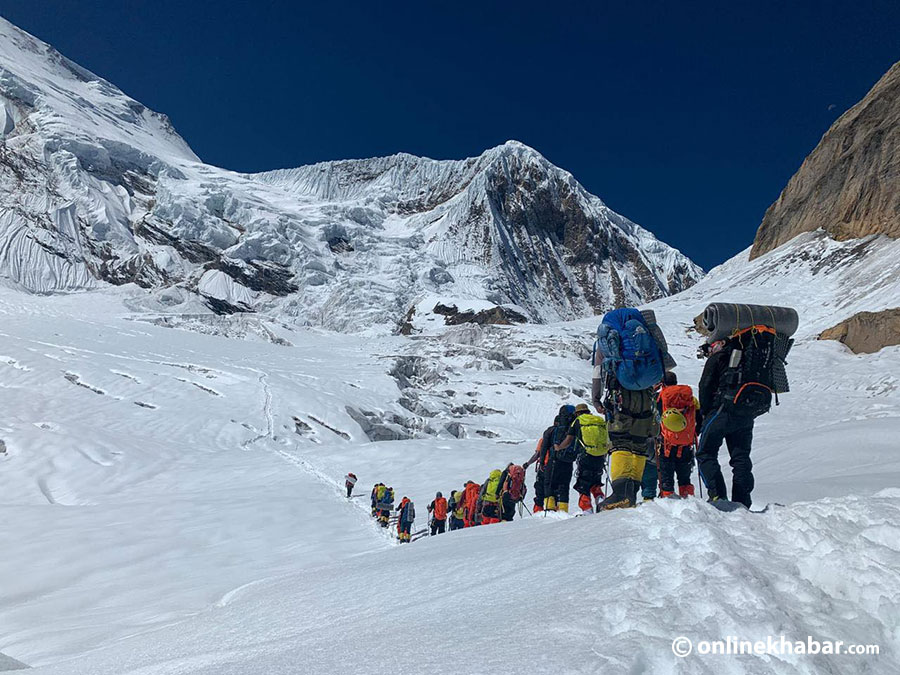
[711, 380]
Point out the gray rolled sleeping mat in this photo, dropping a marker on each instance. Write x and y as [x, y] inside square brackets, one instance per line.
[650, 319]
[723, 319]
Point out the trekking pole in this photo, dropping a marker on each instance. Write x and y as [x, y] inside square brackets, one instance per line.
[699, 477]
[526, 508]
[658, 473]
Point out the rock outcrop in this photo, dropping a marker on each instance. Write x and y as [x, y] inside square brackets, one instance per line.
[867, 332]
[850, 184]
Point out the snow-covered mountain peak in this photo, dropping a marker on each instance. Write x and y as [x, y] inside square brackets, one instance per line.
[41, 91]
[98, 189]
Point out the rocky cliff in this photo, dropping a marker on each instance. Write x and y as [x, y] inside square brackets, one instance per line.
[849, 186]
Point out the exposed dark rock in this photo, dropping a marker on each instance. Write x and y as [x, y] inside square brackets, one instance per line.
[487, 433]
[330, 428]
[340, 245]
[406, 326]
[495, 315]
[301, 427]
[223, 307]
[193, 251]
[139, 269]
[258, 275]
[446, 310]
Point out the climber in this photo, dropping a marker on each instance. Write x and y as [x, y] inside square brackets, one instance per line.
[540, 458]
[558, 471]
[349, 482]
[385, 506]
[471, 504]
[680, 418]
[406, 515]
[733, 392]
[438, 510]
[377, 493]
[456, 507]
[512, 490]
[628, 360]
[489, 497]
[587, 441]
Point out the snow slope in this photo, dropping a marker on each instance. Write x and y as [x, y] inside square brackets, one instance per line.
[209, 534]
[585, 596]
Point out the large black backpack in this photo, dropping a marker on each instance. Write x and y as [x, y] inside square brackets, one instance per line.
[756, 371]
[561, 426]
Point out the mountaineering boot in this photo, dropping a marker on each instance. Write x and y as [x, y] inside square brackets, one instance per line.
[584, 503]
[625, 471]
[666, 494]
[550, 504]
[563, 506]
[537, 508]
[686, 490]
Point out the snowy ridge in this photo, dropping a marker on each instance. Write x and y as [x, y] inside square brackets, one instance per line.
[74, 109]
[506, 227]
[95, 189]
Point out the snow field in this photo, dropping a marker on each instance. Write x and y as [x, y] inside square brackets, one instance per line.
[167, 513]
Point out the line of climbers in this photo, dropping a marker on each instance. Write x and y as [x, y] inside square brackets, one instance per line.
[650, 427]
[476, 504]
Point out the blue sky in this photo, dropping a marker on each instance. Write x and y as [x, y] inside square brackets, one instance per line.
[686, 117]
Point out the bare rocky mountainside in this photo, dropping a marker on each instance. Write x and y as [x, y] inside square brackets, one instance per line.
[96, 189]
[849, 186]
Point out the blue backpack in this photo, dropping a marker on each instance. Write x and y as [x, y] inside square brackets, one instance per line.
[629, 350]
